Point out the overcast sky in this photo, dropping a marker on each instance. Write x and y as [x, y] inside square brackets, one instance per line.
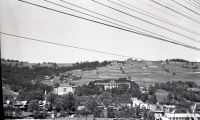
[30, 21]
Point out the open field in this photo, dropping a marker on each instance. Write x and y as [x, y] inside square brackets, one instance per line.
[145, 72]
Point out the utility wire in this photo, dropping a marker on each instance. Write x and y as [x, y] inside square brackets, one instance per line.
[169, 5]
[188, 17]
[114, 19]
[89, 15]
[65, 45]
[176, 43]
[192, 4]
[172, 31]
[156, 8]
[105, 16]
[153, 16]
[109, 21]
[195, 3]
[181, 11]
[185, 7]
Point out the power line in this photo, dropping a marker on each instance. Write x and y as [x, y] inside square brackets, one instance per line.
[89, 15]
[196, 1]
[188, 17]
[156, 8]
[110, 18]
[150, 36]
[177, 8]
[192, 4]
[172, 31]
[65, 45]
[109, 21]
[185, 7]
[154, 16]
[102, 15]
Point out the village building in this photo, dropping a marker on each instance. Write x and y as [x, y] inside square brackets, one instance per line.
[64, 89]
[176, 116]
[110, 83]
[139, 103]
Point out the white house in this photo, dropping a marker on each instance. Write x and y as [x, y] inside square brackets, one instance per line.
[64, 89]
[136, 102]
[139, 103]
[177, 116]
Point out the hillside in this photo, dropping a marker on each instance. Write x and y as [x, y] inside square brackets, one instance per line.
[144, 73]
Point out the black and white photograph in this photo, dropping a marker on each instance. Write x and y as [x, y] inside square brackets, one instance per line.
[100, 59]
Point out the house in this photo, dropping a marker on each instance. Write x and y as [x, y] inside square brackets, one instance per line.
[179, 116]
[161, 115]
[194, 89]
[64, 89]
[110, 83]
[23, 105]
[136, 102]
[158, 115]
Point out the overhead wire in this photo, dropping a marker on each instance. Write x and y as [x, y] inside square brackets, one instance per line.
[180, 10]
[172, 31]
[177, 12]
[88, 15]
[153, 16]
[173, 42]
[156, 8]
[109, 21]
[185, 7]
[65, 45]
[196, 2]
[112, 19]
[192, 4]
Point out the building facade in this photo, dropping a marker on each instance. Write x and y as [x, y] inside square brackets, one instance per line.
[110, 84]
[64, 89]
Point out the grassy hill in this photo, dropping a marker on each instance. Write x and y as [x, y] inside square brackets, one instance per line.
[146, 72]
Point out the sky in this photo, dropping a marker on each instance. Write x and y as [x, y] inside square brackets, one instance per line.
[22, 19]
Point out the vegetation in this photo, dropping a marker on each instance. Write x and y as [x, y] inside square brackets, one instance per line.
[179, 94]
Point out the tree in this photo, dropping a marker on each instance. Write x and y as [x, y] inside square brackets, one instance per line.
[51, 97]
[31, 95]
[33, 106]
[150, 116]
[153, 99]
[91, 105]
[105, 98]
[145, 97]
[69, 103]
